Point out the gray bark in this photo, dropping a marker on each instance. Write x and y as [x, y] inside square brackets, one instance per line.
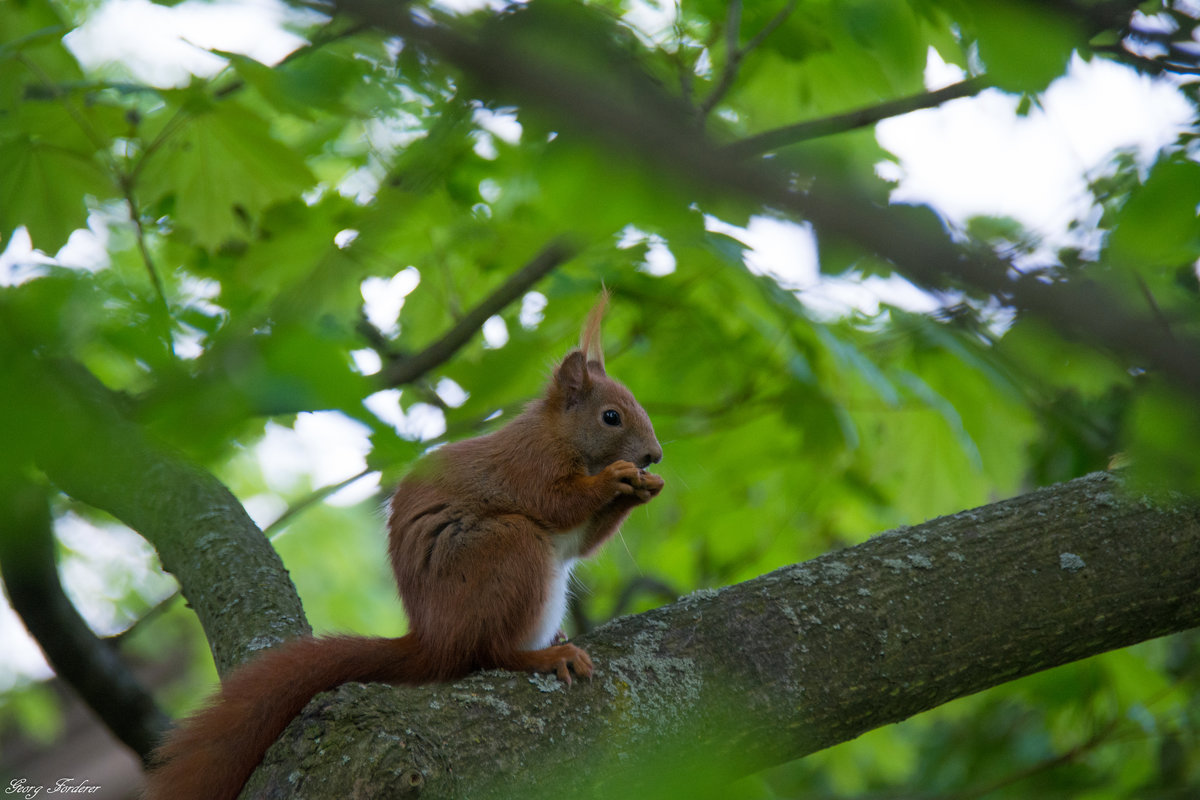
[726, 682]
[228, 571]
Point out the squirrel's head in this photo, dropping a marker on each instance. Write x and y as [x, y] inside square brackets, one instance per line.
[599, 416]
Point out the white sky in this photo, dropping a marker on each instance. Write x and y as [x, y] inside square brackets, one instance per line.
[970, 156]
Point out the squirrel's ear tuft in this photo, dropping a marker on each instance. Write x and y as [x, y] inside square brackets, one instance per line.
[590, 342]
[571, 380]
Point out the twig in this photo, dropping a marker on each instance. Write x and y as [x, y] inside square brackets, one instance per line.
[644, 584]
[769, 28]
[152, 614]
[318, 42]
[135, 216]
[736, 54]
[406, 370]
[1083, 748]
[271, 532]
[168, 130]
[122, 179]
[733, 58]
[1155, 309]
[687, 72]
[1152, 66]
[276, 527]
[860, 118]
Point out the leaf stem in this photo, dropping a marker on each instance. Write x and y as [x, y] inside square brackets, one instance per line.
[122, 179]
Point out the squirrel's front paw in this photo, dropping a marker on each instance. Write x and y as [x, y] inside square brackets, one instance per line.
[651, 485]
[624, 476]
[633, 482]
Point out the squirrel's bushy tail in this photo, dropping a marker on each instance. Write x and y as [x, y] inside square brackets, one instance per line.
[210, 755]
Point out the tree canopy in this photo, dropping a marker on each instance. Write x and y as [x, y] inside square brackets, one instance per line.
[209, 266]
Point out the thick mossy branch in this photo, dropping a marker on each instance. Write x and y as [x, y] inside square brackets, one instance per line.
[726, 682]
[228, 571]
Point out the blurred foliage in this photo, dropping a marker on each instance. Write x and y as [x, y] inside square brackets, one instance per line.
[237, 220]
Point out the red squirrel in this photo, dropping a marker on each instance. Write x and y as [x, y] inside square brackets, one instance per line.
[483, 534]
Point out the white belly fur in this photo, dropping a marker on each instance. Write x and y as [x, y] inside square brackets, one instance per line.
[566, 553]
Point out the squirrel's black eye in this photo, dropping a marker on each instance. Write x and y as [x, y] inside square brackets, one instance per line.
[611, 417]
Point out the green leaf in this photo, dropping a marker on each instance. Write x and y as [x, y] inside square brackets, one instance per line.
[317, 83]
[391, 455]
[44, 188]
[1164, 440]
[1054, 362]
[31, 49]
[1158, 226]
[1024, 45]
[223, 168]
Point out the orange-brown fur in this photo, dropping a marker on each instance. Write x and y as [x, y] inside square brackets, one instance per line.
[482, 535]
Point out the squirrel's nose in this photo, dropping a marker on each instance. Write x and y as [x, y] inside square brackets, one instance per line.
[653, 457]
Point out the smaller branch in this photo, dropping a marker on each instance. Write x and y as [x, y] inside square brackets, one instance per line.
[669, 141]
[1155, 309]
[276, 527]
[122, 180]
[53, 90]
[407, 370]
[271, 532]
[89, 665]
[736, 54]
[317, 43]
[687, 71]
[774, 139]
[1151, 66]
[644, 584]
[177, 120]
[770, 27]
[1083, 748]
[135, 215]
[154, 613]
[376, 338]
[733, 60]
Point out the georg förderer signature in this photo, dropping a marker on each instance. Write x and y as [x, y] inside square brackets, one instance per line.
[23, 788]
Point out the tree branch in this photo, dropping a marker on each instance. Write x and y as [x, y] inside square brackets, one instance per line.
[651, 124]
[227, 569]
[735, 54]
[776, 138]
[308, 501]
[89, 665]
[733, 58]
[726, 682]
[407, 370]
[1151, 66]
